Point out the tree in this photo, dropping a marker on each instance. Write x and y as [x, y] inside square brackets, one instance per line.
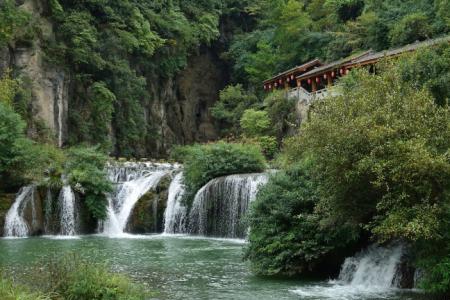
[411, 28]
[233, 101]
[255, 123]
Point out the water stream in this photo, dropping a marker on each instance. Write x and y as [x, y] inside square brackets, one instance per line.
[67, 213]
[220, 205]
[132, 182]
[176, 212]
[15, 224]
[183, 267]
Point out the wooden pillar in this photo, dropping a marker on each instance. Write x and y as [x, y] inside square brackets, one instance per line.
[299, 83]
[314, 85]
[330, 80]
[286, 85]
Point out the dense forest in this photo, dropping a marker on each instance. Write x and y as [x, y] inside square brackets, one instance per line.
[157, 79]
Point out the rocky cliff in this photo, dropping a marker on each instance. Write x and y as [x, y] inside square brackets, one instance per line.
[177, 113]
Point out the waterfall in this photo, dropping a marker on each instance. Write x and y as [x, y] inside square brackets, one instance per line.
[67, 211]
[175, 214]
[370, 274]
[15, 224]
[373, 268]
[133, 180]
[220, 205]
[48, 211]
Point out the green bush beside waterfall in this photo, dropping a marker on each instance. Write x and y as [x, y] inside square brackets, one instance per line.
[205, 162]
[378, 167]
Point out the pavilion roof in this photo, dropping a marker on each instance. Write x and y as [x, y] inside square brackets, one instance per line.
[370, 57]
[300, 68]
[334, 65]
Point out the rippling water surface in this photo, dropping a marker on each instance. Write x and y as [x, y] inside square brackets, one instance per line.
[182, 267]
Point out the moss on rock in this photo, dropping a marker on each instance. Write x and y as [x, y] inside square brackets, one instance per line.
[148, 213]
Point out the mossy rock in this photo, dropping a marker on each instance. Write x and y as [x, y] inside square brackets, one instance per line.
[148, 213]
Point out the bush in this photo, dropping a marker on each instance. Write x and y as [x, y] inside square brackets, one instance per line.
[71, 277]
[230, 107]
[85, 170]
[287, 237]
[12, 291]
[205, 162]
[255, 123]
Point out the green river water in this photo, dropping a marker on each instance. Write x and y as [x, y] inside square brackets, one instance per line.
[182, 267]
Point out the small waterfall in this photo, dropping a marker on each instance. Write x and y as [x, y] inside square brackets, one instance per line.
[220, 205]
[370, 274]
[133, 180]
[175, 214]
[48, 211]
[15, 224]
[67, 211]
[374, 268]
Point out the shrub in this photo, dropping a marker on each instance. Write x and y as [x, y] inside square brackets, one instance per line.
[71, 277]
[11, 291]
[205, 162]
[228, 110]
[86, 173]
[255, 123]
[286, 236]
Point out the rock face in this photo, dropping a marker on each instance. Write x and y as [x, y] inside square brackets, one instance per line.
[148, 214]
[178, 108]
[48, 84]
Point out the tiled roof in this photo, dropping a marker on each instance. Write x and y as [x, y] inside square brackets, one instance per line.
[370, 57]
[309, 64]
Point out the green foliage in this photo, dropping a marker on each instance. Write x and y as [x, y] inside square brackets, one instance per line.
[384, 146]
[11, 291]
[287, 237]
[255, 123]
[72, 277]
[113, 48]
[430, 69]
[411, 28]
[85, 172]
[291, 32]
[282, 113]
[230, 108]
[205, 162]
[8, 89]
[12, 21]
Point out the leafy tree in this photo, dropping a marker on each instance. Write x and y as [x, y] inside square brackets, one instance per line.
[411, 28]
[86, 173]
[255, 122]
[287, 236]
[12, 21]
[230, 107]
[381, 145]
[429, 69]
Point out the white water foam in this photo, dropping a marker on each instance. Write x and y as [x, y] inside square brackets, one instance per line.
[133, 181]
[369, 274]
[175, 213]
[67, 211]
[220, 205]
[15, 224]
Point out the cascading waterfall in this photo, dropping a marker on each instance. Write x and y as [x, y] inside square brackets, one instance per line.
[176, 212]
[219, 206]
[67, 213]
[370, 274]
[15, 224]
[133, 180]
[374, 268]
